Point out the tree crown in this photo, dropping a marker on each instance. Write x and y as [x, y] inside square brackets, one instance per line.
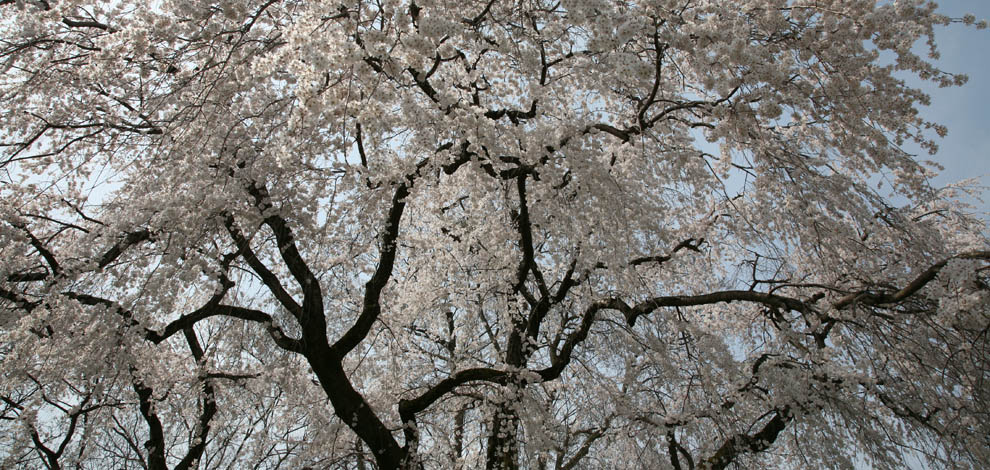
[433, 234]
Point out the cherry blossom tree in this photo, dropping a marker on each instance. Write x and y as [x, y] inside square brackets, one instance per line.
[432, 234]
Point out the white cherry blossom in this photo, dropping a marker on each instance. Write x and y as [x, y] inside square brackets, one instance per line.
[475, 234]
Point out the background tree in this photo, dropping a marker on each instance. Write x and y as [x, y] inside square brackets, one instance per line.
[533, 234]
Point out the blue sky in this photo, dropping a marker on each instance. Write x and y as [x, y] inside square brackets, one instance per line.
[965, 151]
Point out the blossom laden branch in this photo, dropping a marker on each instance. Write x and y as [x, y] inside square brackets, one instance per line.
[871, 298]
[267, 276]
[740, 444]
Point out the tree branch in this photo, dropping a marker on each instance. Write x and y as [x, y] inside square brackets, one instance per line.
[209, 408]
[267, 277]
[690, 244]
[868, 298]
[207, 311]
[312, 319]
[744, 443]
[42, 249]
[410, 407]
[371, 307]
[130, 239]
[155, 445]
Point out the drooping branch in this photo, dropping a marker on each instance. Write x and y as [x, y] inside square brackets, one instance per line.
[326, 360]
[211, 309]
[70, 21]
[60, 223]
[231, 376]
[415, 405]
[515, 356]
[409, 408]
[242, 313]
[514, 115]
[740, 444]
[631, 313]
[770, 300]
[360, 145]
[476, 21]
[539, 311]
[82, 214]
[874, 299]
[421, 79]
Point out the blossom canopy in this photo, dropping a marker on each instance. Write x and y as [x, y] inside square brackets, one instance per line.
[432, 234]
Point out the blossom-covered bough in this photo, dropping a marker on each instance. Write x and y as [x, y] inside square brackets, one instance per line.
[482, 234]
